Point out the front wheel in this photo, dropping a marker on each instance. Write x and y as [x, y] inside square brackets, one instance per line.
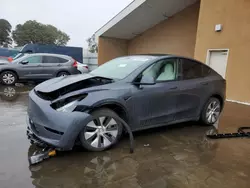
[102, 132]
[8, 78]
[211, 111]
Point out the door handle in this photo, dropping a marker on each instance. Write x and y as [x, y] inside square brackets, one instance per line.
[39, 65]
[172, 88]
[204, 83]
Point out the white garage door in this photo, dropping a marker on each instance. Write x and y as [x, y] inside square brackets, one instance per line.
[218, 61]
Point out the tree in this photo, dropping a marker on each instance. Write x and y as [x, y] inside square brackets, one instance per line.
[5, 30]
[62, 38]
[92, 45]
[35, 32]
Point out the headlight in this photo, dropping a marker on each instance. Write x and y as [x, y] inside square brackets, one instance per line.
[68, 107]
[69, 104]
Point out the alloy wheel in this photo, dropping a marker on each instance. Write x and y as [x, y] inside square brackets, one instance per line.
[101, 132]
[8, 78]
[62, 74]
[213, 112]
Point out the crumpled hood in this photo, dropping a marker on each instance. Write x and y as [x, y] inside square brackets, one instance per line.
[70, 85]
[60, 82]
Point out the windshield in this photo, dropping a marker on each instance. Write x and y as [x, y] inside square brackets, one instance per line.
[14, 54]
[120, 68]
[18, 56]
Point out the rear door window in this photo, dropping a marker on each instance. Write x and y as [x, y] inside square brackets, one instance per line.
[53, 59]
[191, 69]
[207, 71]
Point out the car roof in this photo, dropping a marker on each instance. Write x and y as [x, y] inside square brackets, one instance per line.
[159, 56]
[153, 54]
[47, 54]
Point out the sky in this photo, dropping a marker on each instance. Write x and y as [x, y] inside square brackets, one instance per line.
[78, 18]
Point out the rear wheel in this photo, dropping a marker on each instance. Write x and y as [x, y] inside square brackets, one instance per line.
[102, 132]
[211, 111]
[64, 73]
[8, 78]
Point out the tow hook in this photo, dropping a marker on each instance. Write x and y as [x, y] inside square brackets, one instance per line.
[39, 156]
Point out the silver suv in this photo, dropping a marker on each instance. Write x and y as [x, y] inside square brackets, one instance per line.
[37, 67]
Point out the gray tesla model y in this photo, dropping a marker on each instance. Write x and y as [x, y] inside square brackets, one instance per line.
[144, 90]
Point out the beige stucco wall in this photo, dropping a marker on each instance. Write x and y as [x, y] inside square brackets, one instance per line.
[191, 33]
[176, 35]
[234, 15]
[110, 48]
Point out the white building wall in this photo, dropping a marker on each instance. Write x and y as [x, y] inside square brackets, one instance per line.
[91, 59]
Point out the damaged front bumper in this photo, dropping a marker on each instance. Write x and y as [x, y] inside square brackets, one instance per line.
[48, 127]
[34, 139]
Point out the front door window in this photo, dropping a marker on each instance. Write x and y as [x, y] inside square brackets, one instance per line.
[33, 59]
[164, 70]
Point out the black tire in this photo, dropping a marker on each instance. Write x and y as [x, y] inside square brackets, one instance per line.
[207, 119]
[11, 75]
[63, 73]
[104, 112]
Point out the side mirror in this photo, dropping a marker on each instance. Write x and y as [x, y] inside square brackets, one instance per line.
[24, 62]
[146, 80]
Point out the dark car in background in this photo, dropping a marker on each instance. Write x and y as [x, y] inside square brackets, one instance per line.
[37, 67]
[7, 54]
[4, 60]
[146, 91]
[74, 52]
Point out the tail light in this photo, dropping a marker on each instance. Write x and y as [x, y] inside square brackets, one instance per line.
[75, 64]
[85, 66]
[10, 59]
